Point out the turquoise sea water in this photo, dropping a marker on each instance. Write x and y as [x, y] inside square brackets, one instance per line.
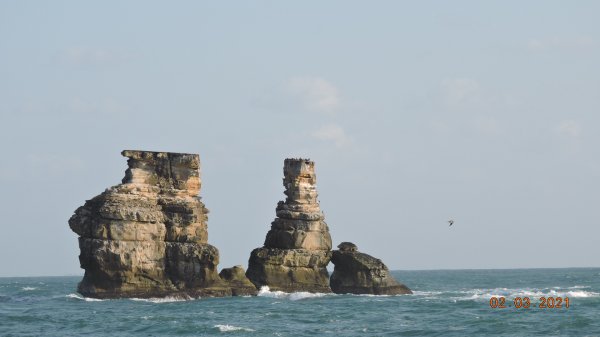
[445, 303]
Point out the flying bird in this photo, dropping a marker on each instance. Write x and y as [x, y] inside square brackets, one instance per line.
[451, 222]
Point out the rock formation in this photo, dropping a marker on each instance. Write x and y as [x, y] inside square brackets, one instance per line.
[148, 236]
[359, 273]
[237, 280]
[297, 249]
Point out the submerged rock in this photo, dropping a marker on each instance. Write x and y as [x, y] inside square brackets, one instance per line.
[147, 237]
[359, 273]
[297, 249]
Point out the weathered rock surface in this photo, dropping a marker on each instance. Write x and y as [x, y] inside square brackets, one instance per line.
[297, 249]
[237, 280]
[148, 236]
[359, 273]
[347, 247]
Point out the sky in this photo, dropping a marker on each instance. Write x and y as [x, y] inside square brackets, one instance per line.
[415, 112]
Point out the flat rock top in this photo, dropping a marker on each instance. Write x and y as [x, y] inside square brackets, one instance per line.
[132, 153]
[293, 167]
[190, 160]
[358, 259]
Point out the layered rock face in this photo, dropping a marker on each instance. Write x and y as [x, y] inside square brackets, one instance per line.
[297, 249]
[148, 236]
[359, 273]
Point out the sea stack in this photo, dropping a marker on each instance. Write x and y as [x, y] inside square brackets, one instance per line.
[359, 273]
[297, 249]
[147, 237]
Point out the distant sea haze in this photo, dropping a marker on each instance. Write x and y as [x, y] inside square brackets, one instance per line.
[444, 303]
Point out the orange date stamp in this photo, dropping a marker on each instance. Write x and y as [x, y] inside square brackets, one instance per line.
[545, 302]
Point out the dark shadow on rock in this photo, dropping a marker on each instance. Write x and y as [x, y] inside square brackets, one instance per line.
[359, 273]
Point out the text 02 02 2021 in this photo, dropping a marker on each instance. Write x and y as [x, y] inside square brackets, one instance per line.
[545, 302]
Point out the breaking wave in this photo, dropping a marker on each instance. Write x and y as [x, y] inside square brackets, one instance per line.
[266, 292]
[168, 299]
[87, 299]
[486, 294]
[28, 288]
[229, 328]
[426, 293]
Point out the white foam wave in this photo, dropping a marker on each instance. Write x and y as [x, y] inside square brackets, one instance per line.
[229, 328]
[266, 292]
[426, 293]
[372, 295]
[486, 294]
[28, 288]
[582, 294]
[577, 291]
[168, 299]
[87, 299]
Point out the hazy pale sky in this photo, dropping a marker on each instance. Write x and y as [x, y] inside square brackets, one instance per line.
[487, 112]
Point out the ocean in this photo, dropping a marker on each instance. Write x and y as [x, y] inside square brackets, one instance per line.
[444, 303]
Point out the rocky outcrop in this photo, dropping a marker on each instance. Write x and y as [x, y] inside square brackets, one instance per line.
[148, 236]
[237, 280]
[359, 273]
[297, 249]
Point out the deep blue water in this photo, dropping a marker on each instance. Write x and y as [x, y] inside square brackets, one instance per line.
[445, 303]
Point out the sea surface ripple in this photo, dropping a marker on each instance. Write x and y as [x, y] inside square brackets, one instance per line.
[444, 303]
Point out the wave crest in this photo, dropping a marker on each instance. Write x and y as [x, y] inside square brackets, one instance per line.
[266, 292]
[486, 294]
[168, 299]
[229, 328]
[81, 298]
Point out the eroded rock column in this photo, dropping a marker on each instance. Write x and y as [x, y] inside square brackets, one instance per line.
[297, 248]
[148, 236]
